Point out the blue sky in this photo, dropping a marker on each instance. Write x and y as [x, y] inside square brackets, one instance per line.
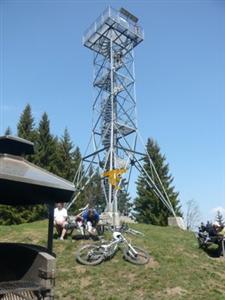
[180, 80]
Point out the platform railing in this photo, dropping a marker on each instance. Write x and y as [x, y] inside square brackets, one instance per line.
[116, 16]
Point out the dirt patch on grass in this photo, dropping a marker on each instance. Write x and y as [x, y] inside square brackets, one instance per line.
[171, 293]
[85, 282]
[139, 294]
[176, 291]
[129, 276]
[152, 264]
[81, 269]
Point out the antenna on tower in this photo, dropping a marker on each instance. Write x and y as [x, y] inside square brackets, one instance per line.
[112, 149]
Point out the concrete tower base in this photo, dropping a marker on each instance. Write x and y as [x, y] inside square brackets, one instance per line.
[176, 222]
[111, 218]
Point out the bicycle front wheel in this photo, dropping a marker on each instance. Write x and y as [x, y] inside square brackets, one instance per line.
[137, 256]
[90, 255]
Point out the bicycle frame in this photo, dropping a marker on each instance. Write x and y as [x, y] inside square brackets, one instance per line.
[93, 254]
[118, 238]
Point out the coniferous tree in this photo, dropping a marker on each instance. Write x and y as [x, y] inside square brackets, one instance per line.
[124, 202]
[148, 207]
[219, 218]
[47, 147]
[77, 158]
[66, 159]
[26, 126]
[26, 130]
[94, 192]
[69, 161]
[10, 215]
[82, 199]
[58, 157]
[8, 131]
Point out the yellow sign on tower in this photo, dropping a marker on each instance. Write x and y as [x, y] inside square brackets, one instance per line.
[114, 176]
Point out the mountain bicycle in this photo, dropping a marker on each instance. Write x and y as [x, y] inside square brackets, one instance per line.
[93, 254]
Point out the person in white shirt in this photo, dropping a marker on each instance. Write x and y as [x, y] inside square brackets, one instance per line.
[60, 220]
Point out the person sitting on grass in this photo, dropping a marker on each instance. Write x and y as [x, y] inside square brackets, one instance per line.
[220, 230]
[91, 218]
[216, 228]
[60, 220]
[80, 223]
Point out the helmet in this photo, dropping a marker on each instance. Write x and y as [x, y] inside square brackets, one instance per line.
[217, 224]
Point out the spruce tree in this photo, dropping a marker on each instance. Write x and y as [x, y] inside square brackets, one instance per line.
[66, 163]
[10, 215]
[47, 147]
[81, 200]
[94, 192]
[219, 218]
[148, 207]
[8, 131]
[45, 155]
[77, 158]
[26, 126]
[21, 214]
[26, 130]
[124, 202]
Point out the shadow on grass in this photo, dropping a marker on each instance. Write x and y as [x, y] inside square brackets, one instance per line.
[77, 237]
[213, 251]
[85, 237]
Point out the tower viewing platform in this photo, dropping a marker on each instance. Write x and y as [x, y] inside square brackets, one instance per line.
[119, 26]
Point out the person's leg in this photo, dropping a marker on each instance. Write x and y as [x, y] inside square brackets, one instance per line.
[89, 227]
[63, 234]
[80, 226]
[64, 230]
[58, 227]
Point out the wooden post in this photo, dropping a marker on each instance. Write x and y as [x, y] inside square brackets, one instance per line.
[50, 226]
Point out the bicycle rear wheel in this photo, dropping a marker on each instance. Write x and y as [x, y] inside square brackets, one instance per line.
[139, 257]
[90, 255]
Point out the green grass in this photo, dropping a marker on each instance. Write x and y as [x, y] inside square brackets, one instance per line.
[177, 269]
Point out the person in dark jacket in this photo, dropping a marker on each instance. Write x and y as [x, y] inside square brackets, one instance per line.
[91, 218]
[213, 229]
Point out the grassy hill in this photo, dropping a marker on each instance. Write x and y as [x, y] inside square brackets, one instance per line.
[177, 269]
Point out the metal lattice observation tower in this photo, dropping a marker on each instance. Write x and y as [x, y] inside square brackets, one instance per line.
[112, 149]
